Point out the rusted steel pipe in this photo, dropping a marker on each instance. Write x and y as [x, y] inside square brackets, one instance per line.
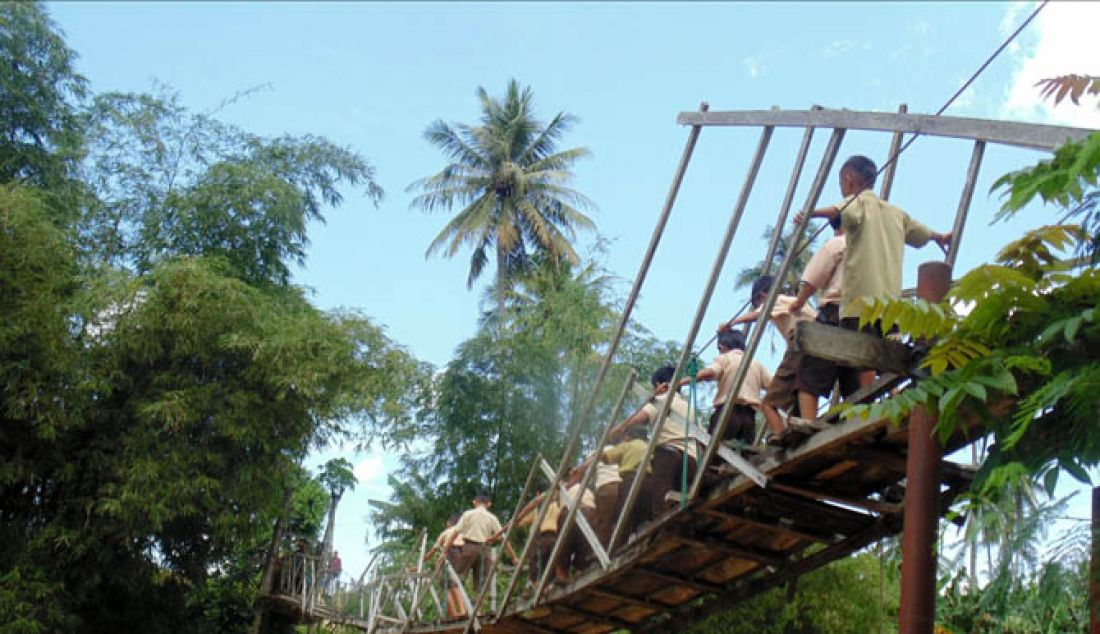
[922, 492]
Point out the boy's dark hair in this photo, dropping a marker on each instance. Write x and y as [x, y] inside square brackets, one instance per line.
[482, 497]
[862, 168]
[834, 222]
[732, 339]
[636, 432]
[453, 519]
[662, 375]
[762, 286]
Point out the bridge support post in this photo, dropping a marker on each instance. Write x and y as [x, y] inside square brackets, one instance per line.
[922, 492]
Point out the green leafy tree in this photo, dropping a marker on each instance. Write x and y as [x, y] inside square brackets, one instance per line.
[40, 91]
[170, 182]
[511, 185]
[513, 392]
[854, 595]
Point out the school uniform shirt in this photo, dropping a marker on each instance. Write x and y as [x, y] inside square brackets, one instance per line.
[672, 432]
[609, 473]
[588, 500]
[826, 271]
[550, 520]
[756, 380]
[877, 233]
[478, 525]
[445, 535]
[628, 455]
[784, 320]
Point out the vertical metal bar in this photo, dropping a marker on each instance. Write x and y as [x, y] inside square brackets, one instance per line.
[892, 165]
[788, 197]
[539, 516]
[922, 491]
[632, 298]
[964, 202]
[507, 536]
[700, 312]
[571, 516]
[826, 166]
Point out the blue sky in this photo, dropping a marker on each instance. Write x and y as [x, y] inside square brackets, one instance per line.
[372, 76]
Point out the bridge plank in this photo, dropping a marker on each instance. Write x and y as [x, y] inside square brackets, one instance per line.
[852, 349]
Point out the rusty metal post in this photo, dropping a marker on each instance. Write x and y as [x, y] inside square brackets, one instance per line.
[922, 491]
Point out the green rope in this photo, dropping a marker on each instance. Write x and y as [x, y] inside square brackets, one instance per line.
[692, 368]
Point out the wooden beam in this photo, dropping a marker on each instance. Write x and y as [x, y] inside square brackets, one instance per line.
[637, 602]
[734, 550]
[769, 525]
[852, 349]
[748, 588]
[876, 506]
[1029, 135]
[694, 584]
[592, 616]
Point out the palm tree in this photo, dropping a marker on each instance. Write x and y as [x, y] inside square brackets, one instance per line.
[337, 476]
[748, 275]
[511, 184]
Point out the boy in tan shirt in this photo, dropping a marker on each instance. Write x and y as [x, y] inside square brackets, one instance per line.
[876, 234]
[825, 274]
[782, 393]
[742, 423]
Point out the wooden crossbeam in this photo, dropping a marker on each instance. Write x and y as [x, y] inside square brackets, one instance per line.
[852, 349]
[1029, 135]
[812, 493]
[951, 471]
[592, 616]
[733, 550]
[668, 577]
[768, 525]
[615, 595]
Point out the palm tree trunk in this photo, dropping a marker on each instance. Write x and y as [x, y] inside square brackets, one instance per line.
[326, 543]
[268, 579]
[501, 276]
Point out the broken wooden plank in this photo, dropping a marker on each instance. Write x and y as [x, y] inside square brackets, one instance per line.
[876, 506]
[852, 349]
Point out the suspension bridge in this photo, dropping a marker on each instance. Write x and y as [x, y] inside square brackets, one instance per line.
[751, 521]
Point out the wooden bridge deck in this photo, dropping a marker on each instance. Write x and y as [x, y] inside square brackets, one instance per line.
[839, 492]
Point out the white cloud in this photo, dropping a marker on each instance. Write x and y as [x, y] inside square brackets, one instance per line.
[842, 46]
[368, 469]
[1061, 40]
[753, 65]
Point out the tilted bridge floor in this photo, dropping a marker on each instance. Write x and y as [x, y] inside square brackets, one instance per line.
[837, 493]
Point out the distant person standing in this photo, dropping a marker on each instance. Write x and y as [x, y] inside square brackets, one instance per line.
[335, 568]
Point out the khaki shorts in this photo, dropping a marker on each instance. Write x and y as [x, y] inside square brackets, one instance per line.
[782, 393]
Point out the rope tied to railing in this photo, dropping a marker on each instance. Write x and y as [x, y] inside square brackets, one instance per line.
[692, 368]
